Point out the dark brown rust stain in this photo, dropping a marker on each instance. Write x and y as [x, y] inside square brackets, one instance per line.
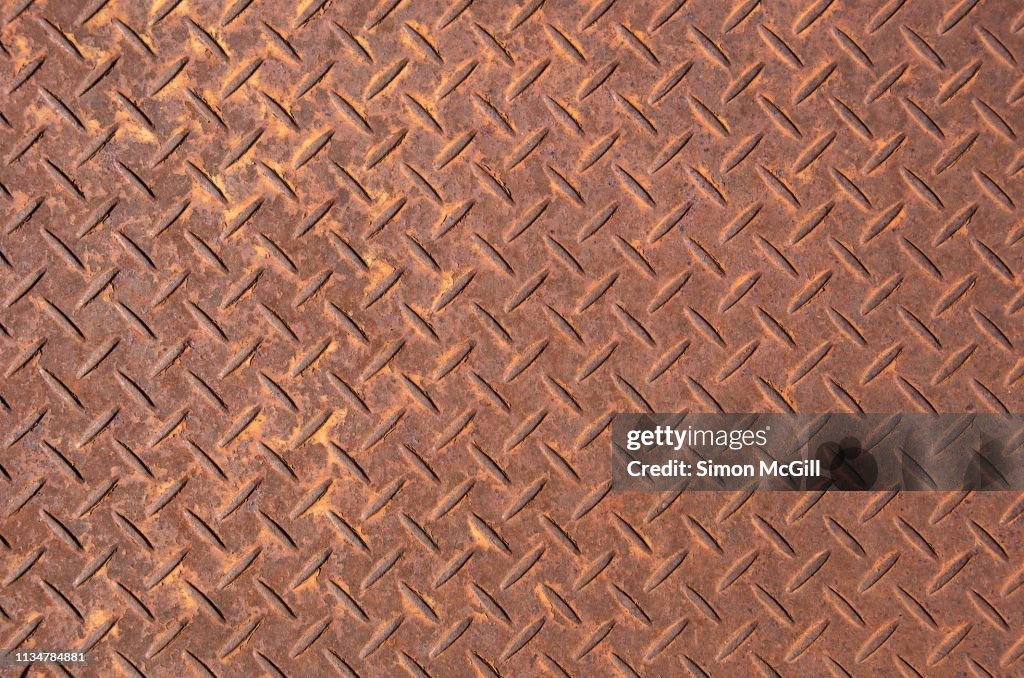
[312, 320]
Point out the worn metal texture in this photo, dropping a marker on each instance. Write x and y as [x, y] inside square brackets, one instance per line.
[313, 319]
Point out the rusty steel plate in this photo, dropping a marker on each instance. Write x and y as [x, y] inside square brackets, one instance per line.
[314, 315]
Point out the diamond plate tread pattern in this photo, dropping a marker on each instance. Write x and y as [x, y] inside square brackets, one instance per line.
[313, 317]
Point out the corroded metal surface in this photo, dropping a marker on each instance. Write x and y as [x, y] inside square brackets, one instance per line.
[313, 319]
